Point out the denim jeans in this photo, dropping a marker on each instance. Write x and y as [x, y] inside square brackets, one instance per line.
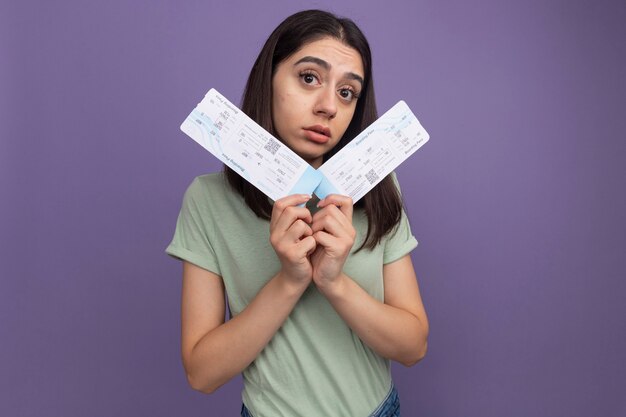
[390, 407]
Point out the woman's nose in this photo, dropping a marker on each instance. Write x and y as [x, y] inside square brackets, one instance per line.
[326, 104]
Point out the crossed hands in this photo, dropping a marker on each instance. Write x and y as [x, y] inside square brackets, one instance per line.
[312, 247]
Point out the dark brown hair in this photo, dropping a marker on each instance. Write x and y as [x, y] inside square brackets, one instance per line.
[383, 204]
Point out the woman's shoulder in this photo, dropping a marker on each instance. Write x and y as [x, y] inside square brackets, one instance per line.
[206, 185]
[208, 190]
[213, 179]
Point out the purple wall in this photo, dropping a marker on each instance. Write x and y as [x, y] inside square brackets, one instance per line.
[518, 200]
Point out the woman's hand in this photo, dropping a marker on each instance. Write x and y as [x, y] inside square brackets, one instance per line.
[334, 234]
[291, 237]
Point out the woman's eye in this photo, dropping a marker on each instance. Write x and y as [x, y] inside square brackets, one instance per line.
[308, 78]
[347, 94]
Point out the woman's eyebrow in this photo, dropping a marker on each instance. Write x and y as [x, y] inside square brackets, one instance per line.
[327, 66]
[315, 60]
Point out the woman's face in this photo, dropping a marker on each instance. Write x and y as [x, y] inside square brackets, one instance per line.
[314, 94]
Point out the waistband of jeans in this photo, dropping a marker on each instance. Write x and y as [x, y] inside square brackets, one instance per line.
[391, 401]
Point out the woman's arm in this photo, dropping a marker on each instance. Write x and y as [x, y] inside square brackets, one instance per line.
[396, 328]
[214, 351]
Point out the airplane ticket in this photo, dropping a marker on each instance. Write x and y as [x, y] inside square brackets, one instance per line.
[373, 154]
[239, 142]
[263, 160]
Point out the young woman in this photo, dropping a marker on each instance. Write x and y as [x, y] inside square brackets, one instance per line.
[322, 294]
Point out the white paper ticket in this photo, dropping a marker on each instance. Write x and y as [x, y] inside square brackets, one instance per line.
[239, 142]
[373, 154]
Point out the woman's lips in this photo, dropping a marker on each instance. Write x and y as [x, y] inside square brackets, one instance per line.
[317, 133]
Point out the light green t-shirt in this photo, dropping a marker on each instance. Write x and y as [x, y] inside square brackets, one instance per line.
[315, 365]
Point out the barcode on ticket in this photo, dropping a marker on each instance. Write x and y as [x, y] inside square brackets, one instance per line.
[371, 176]
[272, 146]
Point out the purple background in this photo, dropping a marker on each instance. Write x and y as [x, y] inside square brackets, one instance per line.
[518, 200]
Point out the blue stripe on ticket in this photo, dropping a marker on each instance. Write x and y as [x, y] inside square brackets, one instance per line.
[325, 188]
[307, 182]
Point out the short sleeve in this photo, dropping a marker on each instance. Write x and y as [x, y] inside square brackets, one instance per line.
[401, 240]
[192, 241]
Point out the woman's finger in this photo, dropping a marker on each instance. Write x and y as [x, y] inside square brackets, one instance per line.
[286, 211]
[307, 245]
[291, 200]
[333, 220]
[297, 231]
[328, 223]
[343, 202]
